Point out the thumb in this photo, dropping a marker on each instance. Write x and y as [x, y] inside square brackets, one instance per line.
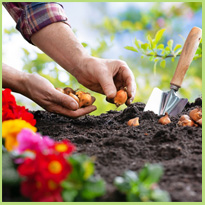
[108, 86]
[65, 100]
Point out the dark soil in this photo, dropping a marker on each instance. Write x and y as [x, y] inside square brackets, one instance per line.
[118, 147]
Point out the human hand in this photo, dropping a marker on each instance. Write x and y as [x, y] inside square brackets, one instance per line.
[43, 93]
[106, 77]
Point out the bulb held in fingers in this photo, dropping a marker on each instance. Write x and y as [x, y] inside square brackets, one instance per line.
[60, 89]
[121, 97]
[74, 97]
[85, 100]
[68, 90]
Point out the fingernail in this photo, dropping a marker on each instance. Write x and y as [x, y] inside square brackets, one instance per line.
[111, 95]
[73, 106]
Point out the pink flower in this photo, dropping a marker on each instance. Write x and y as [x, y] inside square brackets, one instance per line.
[31, 141]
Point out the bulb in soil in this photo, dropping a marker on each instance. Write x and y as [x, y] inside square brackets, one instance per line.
[184, 117]
[165, 119]
[199, 122]
[189, 123]
[121, 97]
[133, 122]
[195, 114]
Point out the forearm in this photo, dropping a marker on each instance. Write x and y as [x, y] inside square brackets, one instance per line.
[13, 79]
[59, 42]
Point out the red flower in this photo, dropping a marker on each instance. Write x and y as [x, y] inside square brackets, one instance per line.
[21, 112]
[8, 98]
[28, 168]
[39, 189]
[64, 146]
[53, 166]
[10, 110]
[43, 176]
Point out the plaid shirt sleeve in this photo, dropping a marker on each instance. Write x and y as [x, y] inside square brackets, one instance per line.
[32, 17]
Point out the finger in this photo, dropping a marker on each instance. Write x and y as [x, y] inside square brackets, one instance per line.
[108, 86]
[64, 100]
[128, 78]
[110, 100]
[76, 113]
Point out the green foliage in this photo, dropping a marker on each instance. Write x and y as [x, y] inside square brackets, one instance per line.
[9, 173]
[158, 52]
[135, 19]
[81, 184]
[143, 186]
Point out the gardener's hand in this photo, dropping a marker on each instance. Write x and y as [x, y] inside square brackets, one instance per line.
[100, 75]
[106, 77]
[43, 93]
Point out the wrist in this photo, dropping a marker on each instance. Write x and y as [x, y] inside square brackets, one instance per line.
[13, 79]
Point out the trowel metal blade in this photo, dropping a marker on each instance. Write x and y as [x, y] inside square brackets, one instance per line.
[161, 102]
[154, 101]
[172, 104]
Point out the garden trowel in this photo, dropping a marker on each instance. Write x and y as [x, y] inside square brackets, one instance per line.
[167, 102]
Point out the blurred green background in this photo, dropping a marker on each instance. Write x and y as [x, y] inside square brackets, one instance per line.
[114, 30]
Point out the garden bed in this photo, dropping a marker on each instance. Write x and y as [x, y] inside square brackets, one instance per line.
[118, 147]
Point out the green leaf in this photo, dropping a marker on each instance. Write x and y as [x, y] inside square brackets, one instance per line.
[163, 63]
[150, 174]
[10, 175]
[150, 41]
[78, 162]
[121, 184]
[160, 196]
[160, 46]
[70, 195]
[84, 45]
[137, 43]
[198, 51]
[93, 188]
[159, 35]
[167, 48]
[130, 176]
[69, 185]
[144, 46]
[125, 183]
[26, 52]
[131, 48]
[170, 44]
[173, 59]
[88, 169]
[178, 52]
[151, 58]
[177, 47]
[133, 197]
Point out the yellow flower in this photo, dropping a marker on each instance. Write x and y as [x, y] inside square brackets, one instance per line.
[10, 130]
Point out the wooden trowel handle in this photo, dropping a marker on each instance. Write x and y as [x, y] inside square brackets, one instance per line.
[189, 49]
